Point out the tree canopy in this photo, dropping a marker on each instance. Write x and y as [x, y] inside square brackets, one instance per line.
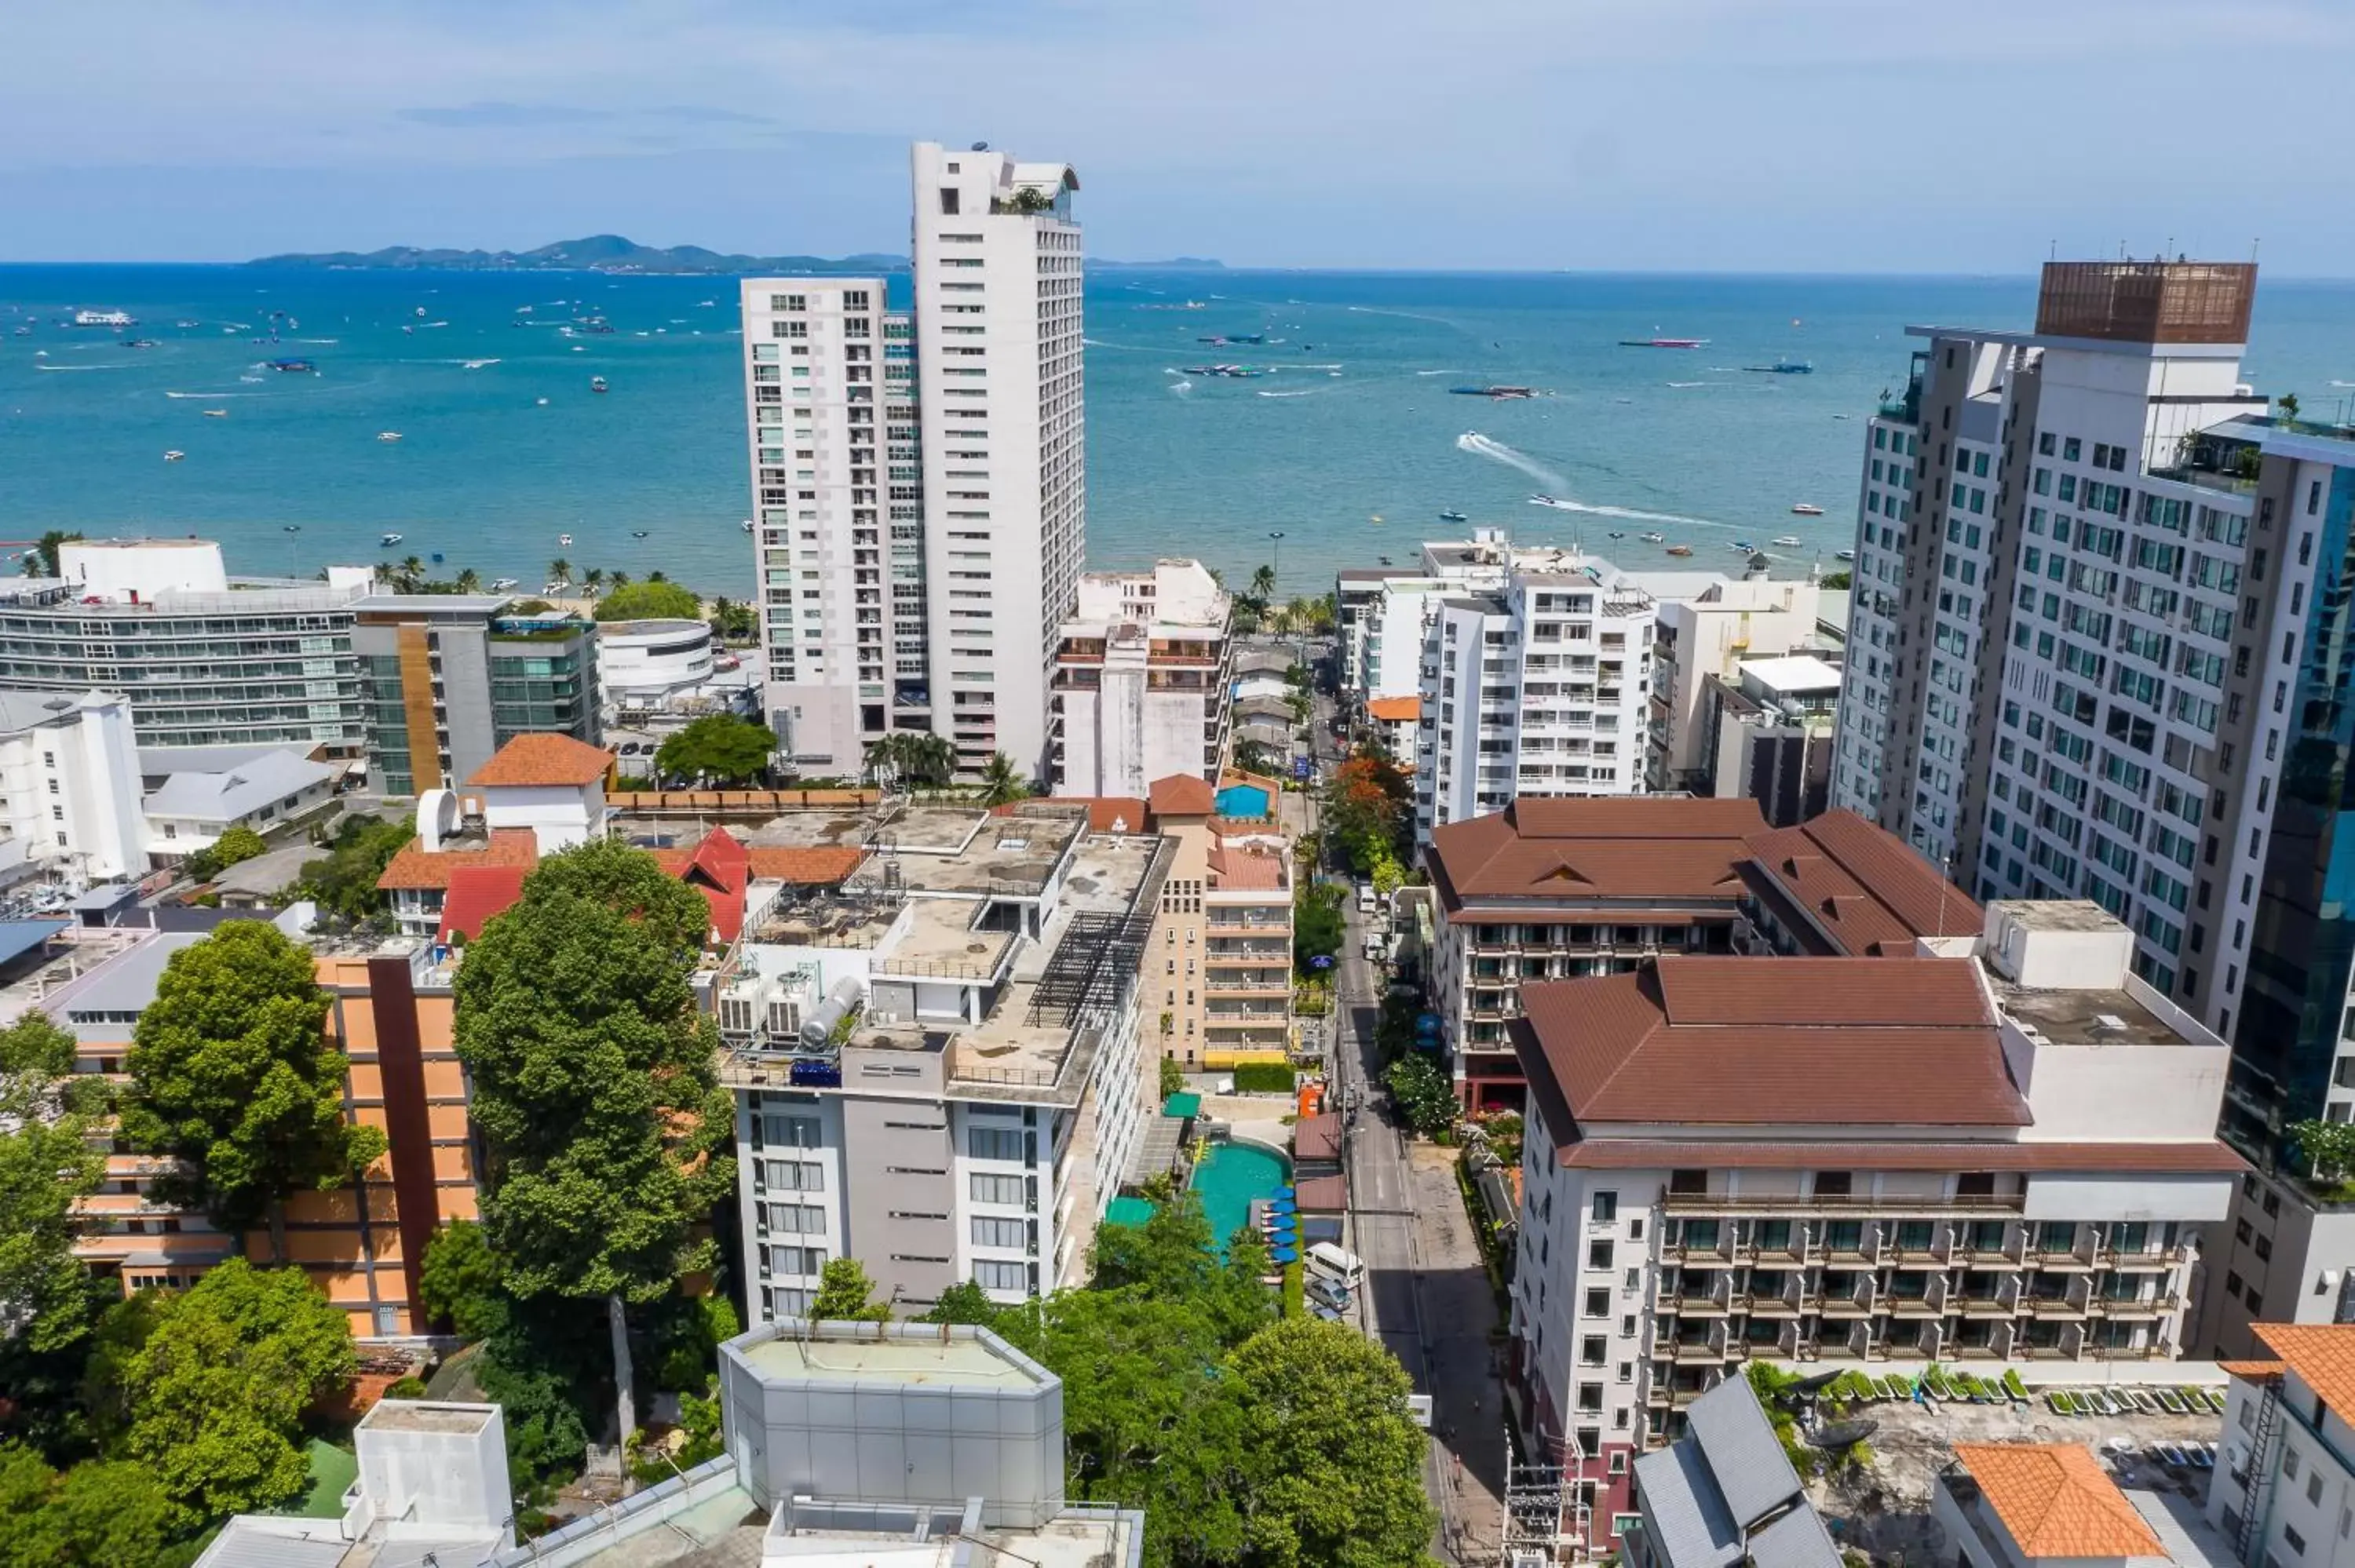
[1368, 813]
[918, 757]
[218, 1388]
[238, 843]
[1317, 926]
[104, 1514]
[1001, 781]
[233, 1074]
[47, 1166]
[344, 881]
[722, 747]
[459, 1281]
[595, 1081]
[650, 600]
[844, 1293]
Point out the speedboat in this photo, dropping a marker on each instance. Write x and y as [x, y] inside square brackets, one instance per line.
[174, 455]
[387, 435]
[539, 402]
[1789, 540]
[1451, 517]
[596, 384]
[1662, 342]
[1616, 535]
[565, 540]
[1844, 555]
[747, 524]
[1744, 545]
[217, 413]
[1680, 549]
[1806, 509]
[1651, 538]
[501, 585]
[388, 541]
[637, 533]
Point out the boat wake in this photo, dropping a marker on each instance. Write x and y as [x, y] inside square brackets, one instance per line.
[1626, 514]
[1478, 445]
[318, 339]
[1304, 392]
[208, 396]
[1401, 316]
[118, 367]
[1181, 386]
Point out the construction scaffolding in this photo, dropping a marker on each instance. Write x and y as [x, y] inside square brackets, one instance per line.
[1537, 1498]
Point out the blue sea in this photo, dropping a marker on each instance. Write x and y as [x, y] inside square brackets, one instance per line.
[1349, 446]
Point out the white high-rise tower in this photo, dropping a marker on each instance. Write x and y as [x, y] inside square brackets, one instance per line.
[925, 591]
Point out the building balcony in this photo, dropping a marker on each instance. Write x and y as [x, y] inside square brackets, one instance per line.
[1858, 1206]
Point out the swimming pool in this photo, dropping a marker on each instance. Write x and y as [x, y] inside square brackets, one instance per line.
[1229, 1177]
[1243, 800]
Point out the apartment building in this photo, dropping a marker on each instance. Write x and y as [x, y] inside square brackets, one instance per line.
[1555, 889]
[1538, 688]
[940, 1064]
[1219, 954]
[1142, 675]
[2284, 1484]
[976, 391]
[1765, 732]
[69, 800]
[1842, 1160]
[1713, 635]
[461, 669]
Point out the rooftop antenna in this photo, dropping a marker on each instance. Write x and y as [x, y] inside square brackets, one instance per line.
[2252, 249]
[2052, 252]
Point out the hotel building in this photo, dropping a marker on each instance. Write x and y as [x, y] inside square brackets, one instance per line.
[1142, 679]
[925, 591]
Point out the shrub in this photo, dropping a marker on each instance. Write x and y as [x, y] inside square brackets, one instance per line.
[407, 1388]
[1258, 1077]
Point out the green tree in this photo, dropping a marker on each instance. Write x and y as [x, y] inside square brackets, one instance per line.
[2287, 402]
[344, 881]
[2328, 1148]
[218, 1391]
[1132, 1363]
[41, 560]
[100, 1514]
[240, 843]
[468, 580]
[1318, 929]
[918, 757]
[1000, 783]
[595, 1086]
[458, 1282]
[46, 1167]
[1303, 1453]
[844, 1293]
[560, 570]
[649, 600]
[1173, 1079]
[724, 746]
[964, 1302]
[233, 1074]
[1263, 583]
[1422, 1092]
[593, 580]
[735, 623]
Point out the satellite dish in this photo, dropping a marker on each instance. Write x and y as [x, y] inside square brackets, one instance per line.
[1841, 1434]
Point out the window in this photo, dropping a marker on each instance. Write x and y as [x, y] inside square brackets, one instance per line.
[991, 1232]
[2314, 1487]
[796, 1176]
[1598, 1303]
[1598, 1252]
[1606, 1206]
[798, 1260]
[2293, 1540]
[1593, 1349]
[991, 1273]
[988, 1188]
[2290, 1463]
[789, 1131]
[993, 1142]
[796, 1219]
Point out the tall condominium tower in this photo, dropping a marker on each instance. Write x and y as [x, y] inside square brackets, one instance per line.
[921, 587]
[2100, 647]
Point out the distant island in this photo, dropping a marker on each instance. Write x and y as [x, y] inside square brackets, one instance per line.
[613, 253]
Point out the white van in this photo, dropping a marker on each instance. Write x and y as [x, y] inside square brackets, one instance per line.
[1339, 1264]
[1367, 899]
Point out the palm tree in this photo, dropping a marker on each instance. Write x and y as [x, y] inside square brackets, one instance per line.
[411, 575]
[2289, 402]
[657, 576]
[914, 757]
[617, 579]
[593, 580]
[560, 570]
[1000, 783]
[1263, 583]
[470, 581]
[41, 560]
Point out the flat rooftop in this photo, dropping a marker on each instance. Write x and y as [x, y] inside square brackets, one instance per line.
[925, 1364]
[2056, 914]
[1793, 673]
[422, 1415]
[939, 938]
[2101, 1017]
[1005, 857]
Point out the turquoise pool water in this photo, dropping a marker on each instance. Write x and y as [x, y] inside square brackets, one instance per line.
[1243, 800]
[1230, 1176]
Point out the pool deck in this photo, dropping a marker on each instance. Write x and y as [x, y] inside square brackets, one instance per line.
[1226, 1203]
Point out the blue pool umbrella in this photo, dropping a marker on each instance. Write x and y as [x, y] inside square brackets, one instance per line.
[1283, 1206]
[1287, 1192]
[1283, 1254]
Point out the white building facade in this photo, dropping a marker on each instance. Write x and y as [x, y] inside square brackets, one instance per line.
[1142, 673]
[69, 788]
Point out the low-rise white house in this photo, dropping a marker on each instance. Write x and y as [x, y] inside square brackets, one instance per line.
[193, 809]
[2284, 1490]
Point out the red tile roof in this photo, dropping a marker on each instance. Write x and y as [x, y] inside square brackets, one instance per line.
[1396, 710]
[2322, 1354]
[1245, 870]
[413, 868]
[804, 867]
[1725, 1041]
[1862, 885]
[543, 758]
[2056, 1500]
[1321, 1195]
[2207, 1158]
[1318, 1137]
[1181, 795]
[1600, 848]
[478, 893]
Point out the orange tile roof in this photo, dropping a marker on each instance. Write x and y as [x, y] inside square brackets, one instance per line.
[1245, 870]
[2055, 1500]
[2322, 1354]
[2254, 1371]
[1608, 847]
[1181, 795]
[1862, 884]
[807, 867]
[1396, 709]
[543, 758]
[414, 868]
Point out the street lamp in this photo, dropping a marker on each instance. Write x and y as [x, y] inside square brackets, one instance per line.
[1277, 535]
[292, 529]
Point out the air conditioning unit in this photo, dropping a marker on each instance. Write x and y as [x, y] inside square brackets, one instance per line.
[1523, 1558]
[785, 1016]
[739, 1011]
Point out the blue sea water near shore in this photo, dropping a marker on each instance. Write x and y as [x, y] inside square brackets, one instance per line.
[1352, 420]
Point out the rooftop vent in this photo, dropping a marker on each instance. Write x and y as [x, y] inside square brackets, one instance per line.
[2110, 1021]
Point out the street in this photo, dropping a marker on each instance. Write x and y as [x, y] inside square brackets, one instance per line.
[1427, 1296]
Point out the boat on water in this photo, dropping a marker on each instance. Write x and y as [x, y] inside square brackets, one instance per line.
[174, 455]
[1662, 342]
[1806, 509]
[565, 540]
[387, 435]
[217, 413]
[747, 524]
[104, 319]
[1783, 367]
[1742, 545]
[501, 585]
[1652, 538]
[1789, 541]
[637, 533]
[1452, 518]
[139, 343]
[1498, 394]
[292, 365]
[1844, 555]
[598, 324]
[539, 402]
[386, 541]
[1232, 372]
[1680, 549]
[1617, 534]
[596, 384]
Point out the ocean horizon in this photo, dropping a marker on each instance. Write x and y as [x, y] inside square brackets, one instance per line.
[1346, 440]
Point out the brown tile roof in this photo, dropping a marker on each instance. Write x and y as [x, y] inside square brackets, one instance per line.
[1861, 884]
[2323, 1354]
[414, 868]
[1396, 709]
[1106, 813]
[2055, 1500]
[2209, 1158]
[1181, 795]
[1734, 1041]
[2255, 1371]
[1600, 848]
[1322, 1195]
[808, 867]
[1318, 1137]
[1245, 870]
[543, 759]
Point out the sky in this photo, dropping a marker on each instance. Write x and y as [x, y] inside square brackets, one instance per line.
[1700, 136]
